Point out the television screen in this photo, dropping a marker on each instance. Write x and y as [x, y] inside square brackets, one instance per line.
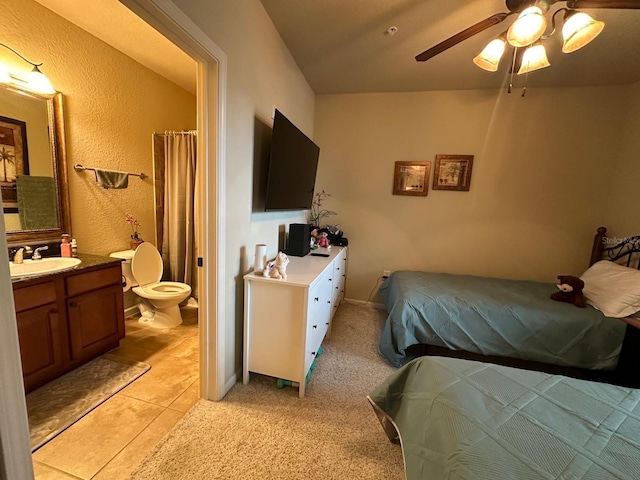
[292, 167]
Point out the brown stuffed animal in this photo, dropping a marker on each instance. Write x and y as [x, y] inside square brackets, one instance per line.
[570, 291]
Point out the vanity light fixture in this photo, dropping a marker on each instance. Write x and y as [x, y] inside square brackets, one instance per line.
[36, 81]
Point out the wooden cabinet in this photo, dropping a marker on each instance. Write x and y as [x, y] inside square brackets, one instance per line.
[286, 320]
[66, 319]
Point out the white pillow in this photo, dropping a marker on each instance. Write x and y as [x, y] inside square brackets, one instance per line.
[613, 289]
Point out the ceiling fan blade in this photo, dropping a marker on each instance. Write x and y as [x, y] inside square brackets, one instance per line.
[463, 35]
[617, 4]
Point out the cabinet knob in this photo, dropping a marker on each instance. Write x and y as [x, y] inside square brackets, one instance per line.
[328, 301]
[313, 353]
[330, 279]
[73, 304]
[327, 323]
[337, 268]
[316, 299]
[54, 311]
[315, 326]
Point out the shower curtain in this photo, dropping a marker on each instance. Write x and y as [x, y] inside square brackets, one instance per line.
[176, 203]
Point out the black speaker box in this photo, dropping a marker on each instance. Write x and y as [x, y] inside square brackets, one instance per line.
[299, 238]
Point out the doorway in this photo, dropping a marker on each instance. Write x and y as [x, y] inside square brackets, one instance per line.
[211, 88]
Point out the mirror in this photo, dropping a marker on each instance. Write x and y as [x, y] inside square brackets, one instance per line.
[33, 168]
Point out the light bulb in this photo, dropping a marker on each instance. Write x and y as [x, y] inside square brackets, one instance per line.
[528, 28]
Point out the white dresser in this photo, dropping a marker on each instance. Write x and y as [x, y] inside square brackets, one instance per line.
[285, 321]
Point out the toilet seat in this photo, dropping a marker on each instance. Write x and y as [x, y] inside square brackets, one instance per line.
[146, 267]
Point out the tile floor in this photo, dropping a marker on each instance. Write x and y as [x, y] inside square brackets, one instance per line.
[110, 441]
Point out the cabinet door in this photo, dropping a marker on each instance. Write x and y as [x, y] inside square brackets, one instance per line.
[41, 344]
[96, 321]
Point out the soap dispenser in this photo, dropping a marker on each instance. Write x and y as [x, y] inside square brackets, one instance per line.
[65, 246]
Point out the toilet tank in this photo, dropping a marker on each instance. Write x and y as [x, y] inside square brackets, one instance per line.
[126, 256]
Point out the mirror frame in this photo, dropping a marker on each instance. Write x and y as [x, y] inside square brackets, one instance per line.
[57, 141]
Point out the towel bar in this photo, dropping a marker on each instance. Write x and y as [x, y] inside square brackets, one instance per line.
[78, 168]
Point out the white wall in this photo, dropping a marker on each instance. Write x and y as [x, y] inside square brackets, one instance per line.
[623, 214]
[261, 74]
[539, 186]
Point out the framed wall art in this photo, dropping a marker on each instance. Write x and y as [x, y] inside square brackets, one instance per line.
[14, 160]
[453, 172]
[411, 178]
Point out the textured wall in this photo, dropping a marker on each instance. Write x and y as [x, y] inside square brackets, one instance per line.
[539, 188]
[112, 106]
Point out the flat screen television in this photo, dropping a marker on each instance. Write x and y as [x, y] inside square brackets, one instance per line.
[293, 165]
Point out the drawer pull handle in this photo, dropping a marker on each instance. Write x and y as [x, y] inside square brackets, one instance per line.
[327, 323]
[313, 353]
[316, 299]
[330, 279]
[315, 326]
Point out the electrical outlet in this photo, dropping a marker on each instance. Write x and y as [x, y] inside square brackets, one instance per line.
[386, 273]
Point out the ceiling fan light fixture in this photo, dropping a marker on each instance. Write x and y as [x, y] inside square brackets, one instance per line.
[528, 27]
[579, 29]
[534, 58]
[490, 56]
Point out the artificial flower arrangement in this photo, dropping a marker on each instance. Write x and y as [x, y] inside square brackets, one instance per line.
[317, 213]
[136, 239]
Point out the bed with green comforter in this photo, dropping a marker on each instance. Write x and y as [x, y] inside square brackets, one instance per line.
[493, 316]
[461, 419]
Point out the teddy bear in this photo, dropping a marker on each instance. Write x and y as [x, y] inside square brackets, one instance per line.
[278, 267]
[570, 291]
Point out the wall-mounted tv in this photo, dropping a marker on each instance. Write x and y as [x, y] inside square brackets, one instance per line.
[292, 167]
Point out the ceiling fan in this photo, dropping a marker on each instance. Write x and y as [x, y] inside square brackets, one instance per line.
[521, 7]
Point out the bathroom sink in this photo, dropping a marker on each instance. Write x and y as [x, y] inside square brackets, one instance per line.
[30, 268]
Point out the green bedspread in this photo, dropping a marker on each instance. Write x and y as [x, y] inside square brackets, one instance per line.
[460, 419]
[494, 316]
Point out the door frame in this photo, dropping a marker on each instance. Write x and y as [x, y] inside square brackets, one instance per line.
[170, 21]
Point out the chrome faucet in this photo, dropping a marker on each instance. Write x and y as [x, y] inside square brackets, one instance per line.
[36, 253]
[18, 255]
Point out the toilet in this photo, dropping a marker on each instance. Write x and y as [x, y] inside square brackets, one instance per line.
[142, 267]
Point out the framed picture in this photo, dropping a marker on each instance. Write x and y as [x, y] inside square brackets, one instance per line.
[14, 160]
[453, 172]
[411, 178]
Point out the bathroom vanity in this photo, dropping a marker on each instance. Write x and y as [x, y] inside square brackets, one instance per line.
[67, 318]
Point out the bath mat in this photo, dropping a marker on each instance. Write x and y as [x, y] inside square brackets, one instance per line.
[62, 402]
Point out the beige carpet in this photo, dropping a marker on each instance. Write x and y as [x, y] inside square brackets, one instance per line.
[260, 432]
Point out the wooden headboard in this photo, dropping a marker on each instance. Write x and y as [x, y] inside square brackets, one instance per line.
[625, 251]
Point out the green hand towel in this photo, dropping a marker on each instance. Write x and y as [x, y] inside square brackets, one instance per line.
[111, 179]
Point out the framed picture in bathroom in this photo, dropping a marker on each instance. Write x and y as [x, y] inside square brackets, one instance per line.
[14, 160]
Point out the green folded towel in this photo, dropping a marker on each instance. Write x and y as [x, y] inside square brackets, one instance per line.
[111, 179]
[37, 202]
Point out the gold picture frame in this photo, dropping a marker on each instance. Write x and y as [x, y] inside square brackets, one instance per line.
[453, 172]
[411, 178]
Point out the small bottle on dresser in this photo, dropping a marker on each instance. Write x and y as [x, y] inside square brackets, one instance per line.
[74, 248]
[65, 246]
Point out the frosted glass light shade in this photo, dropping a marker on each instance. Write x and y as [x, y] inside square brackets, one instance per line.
[534, 58]
[489, 58]
[39, 83]
[579, 29]
[4, 74]
[528, 28]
